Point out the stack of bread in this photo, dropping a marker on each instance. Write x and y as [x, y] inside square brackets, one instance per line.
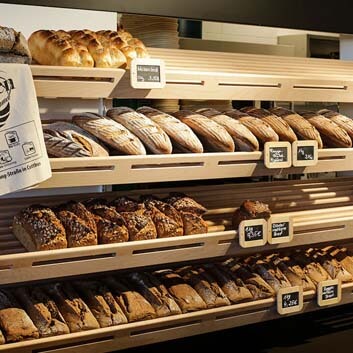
[148, 130]
[84, 304]
[98, 221]
[85, 48]
[13, 47]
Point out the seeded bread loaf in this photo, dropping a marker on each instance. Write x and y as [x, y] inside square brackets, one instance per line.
[250, 209]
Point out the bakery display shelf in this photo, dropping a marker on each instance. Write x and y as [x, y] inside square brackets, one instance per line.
[234, 76]
[179, 167]
[75, 82]
[321, 211]
[163, 329]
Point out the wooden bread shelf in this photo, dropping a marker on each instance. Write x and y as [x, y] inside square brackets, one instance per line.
[234, 76]
[163, 329]
[322, 212]
[176, 167]
[74, 82]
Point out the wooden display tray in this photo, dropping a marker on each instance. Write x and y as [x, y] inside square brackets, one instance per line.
[321, 211]
[163, 329]
[199, 166]
[74, 82]
[236, 76]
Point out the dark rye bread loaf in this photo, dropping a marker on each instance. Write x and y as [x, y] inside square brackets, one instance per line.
[38, 228]
[250, 209]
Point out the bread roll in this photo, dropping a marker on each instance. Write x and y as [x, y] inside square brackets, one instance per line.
[302, 127]
[250, 209]
[263, 131]
[331, 134]
[110, 132]
[140, 226]
[182, 137]
[341, 120]
[280, 126]
[212, 135]
[243, 138]
[37, 228]
[125, 204]
[154, 138]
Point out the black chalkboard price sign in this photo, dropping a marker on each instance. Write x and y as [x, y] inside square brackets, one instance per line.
[329, 292]
[253, 233]
[305, 153]
[278, 155]
[290, 300]
[280, 229]
[147, 73]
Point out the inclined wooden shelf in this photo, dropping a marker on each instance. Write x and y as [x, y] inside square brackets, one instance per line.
[74, 82]
[163, 329]
[159, 168]
[234, 76]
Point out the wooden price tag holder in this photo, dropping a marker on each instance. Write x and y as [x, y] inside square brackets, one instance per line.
[304, 153]
[280, 229]
[277, 155]
[147, 73]
[290, 300]
[252, 233]
[329, 292]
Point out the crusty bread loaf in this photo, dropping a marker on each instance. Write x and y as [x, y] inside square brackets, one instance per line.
[212, 135]
[140, 226]
[42, 310]
[250, 209]
[87, 143]
[14, 322]
[280, 126]
[37, 228]
[7, 39]
[182, 137]
[150, 133]
[125, 204]
[110, 132]
[243, 138]
[302, 127]
[13, 47]
[331, 134]
[263, 131]
[341, 120]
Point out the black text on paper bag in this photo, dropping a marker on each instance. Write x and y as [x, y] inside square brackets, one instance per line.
[277, 155]
[280, 229]
[289, 300]
[329, 292]
[253, 233]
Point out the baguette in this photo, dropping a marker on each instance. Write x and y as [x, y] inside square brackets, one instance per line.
[332, 135]
[154, 138]
[302, 127]
[38, 228]
[341, 120]
[244, 139]
[110, 132]
[74, 310]
[182, 137]
[212, 135]
[42, 310]
[262, 131]
[14, 322]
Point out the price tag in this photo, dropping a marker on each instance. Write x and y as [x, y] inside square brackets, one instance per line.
[329, 292]
[278, 155]
[290, 300]
[147, 73]
[280, 229]
[252, 233]
[304, 153]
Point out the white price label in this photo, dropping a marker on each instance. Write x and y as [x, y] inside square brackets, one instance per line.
[147, 73]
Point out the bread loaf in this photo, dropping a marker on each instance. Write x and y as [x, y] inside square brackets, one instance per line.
[37, 228]
[133, 304]
[86, 143]
[101, 303]
[263, 131]
[341, 120]
[212, 135]
[13, 47]
[155, 293]
[302, 127]
[110, 132]
[185, 296]
[125, 204]
[14, 322]
[250, 209]
[42, 310]
[244, 139]
[332, 135]
[140, 226]
[2, 338]
[343, 257]
[280, 126]
[154, 138]
[182, 137]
